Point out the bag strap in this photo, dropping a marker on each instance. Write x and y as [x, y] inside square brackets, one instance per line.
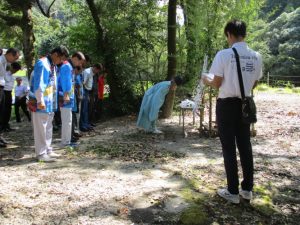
[238, 65]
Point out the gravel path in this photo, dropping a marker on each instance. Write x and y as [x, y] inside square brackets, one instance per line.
[120, 175]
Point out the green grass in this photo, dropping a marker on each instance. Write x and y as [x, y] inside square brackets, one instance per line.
[284, 90]
[20, 73]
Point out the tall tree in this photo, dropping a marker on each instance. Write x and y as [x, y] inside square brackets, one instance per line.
[121, 94]
[19, 13]
[169, 102]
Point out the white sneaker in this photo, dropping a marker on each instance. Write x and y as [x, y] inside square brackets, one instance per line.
[45, 158]
[246, 194]
[156, 131]
[224, 193]
[53, 154]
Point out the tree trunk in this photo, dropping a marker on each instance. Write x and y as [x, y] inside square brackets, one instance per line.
[120, 95]
[169, 102]
[28, 37]
[25, 23]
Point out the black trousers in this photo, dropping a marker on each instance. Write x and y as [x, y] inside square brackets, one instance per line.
[7, 109]
[92, 105]
[234, 133]
[74, 123]
[2, 105]
[57, 117]
[21, 102]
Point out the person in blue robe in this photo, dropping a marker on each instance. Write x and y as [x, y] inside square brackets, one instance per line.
[152, 101]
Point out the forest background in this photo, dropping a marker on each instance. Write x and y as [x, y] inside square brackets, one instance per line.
[133, 38]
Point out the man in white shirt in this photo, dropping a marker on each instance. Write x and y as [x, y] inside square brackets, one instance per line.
[232, 130]
[21, 92]
[10, 56]
[84, 123]
[8, 87]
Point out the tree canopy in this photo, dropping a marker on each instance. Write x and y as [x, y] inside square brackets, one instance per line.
[130, 37]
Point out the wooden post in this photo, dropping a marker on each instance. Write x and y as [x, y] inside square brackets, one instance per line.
[210, 112]
[202, 114]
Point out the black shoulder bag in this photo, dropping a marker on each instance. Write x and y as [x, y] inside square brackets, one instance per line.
[248, 104]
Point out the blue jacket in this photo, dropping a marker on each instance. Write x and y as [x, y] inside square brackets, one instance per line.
[65, 83]
[44, 80]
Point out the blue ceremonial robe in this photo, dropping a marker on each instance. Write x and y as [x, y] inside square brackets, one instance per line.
[152, 101]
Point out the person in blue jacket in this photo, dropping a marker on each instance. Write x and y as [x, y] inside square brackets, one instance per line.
[152, 102]
[42, 102]
[66, 95]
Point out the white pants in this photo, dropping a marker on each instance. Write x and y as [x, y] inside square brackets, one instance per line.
[42, 130]
[66, 125]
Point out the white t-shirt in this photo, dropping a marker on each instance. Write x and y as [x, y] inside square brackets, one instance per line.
[224, 65]
[9, 81]
[21, 90]
[3, 64]
[88, 78]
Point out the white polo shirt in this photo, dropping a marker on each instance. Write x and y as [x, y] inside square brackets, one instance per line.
[21, 90]
[224, 65]
[3, 64]
[88, 78]
[9, 81]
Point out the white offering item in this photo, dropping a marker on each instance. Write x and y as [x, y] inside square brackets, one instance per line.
[209, 76]
[187, 104]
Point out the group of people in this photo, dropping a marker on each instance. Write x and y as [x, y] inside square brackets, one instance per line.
[60, 82]
[64, 86]
[59, 85]
[231, 128]
[8, 68]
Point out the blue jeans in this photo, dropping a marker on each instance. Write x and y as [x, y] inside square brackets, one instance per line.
[84, 113]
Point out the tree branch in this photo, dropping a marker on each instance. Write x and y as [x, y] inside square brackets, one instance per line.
[46, 14]
[11, 20]
[48, 11]
[96, 18]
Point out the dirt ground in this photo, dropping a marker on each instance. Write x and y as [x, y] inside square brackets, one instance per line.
[120, 175]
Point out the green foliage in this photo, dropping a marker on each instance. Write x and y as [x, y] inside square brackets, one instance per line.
[204, 30]
[285, 87]
[263, 203]
[296, 90]
[10, 35]
[136, 32]
[194, 215]
[282, 36]
[262, 87]
[274, 8]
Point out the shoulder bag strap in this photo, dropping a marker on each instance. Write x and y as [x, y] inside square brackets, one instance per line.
[238, 65]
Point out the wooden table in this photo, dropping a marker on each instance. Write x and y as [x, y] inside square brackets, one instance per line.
[182, 115]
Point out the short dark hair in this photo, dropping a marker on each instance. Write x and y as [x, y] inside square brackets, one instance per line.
[78, 55]
[178, 80]
[237, 28]
[16, 66]
[87, 57]
[13, 51]
[61, 51]
[65, 51]
[98, 66]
